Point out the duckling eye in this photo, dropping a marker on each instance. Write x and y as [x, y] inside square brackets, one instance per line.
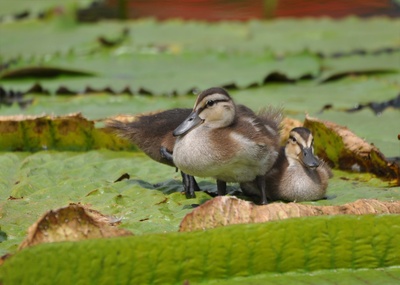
[292, 139]
[210, 103]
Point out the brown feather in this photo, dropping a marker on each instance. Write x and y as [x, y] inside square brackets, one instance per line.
[151, 132]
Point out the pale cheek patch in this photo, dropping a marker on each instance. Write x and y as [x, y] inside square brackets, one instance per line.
[309, 141]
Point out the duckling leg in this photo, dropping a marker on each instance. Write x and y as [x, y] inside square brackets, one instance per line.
[221, 188]
[193, 183]
[189, 185]
[261, 186]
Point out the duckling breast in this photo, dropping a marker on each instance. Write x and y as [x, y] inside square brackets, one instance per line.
[301, 184]
[225, 155]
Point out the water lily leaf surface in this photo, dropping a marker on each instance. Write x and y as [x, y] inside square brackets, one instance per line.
[173, 57]
[282, 36]
[326, 243]
[223, 211]
[342, 148]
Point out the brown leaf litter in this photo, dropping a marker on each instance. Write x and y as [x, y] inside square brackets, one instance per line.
[72, 223]
[342, 149]
[225, 210]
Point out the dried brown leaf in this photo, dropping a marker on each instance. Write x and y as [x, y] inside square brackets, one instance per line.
[72, 223]
[224, 210]
[287, 125]
[343, 149]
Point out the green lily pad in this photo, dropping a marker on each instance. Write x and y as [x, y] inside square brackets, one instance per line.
[173, 57]
[149, 202]
[387, 276]
[163, 73]
[72, 132]
[31, 184]
[325, 243]
[281, 36]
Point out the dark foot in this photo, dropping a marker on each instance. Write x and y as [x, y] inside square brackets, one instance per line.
[194, 184]
[189, 185]
[221, 187]
[261, 186]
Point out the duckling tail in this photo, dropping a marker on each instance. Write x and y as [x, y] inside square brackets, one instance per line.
[121, 128]
[272, 116]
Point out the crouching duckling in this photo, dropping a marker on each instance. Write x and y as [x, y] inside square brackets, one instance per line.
[153, 135]
[226, 141]
[297, 175]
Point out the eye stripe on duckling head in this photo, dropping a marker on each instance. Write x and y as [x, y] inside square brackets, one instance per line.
[302, 136]
[211, 100]
[212, 91]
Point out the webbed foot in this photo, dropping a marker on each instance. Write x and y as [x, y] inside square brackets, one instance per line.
[221, 187]
[189, 183]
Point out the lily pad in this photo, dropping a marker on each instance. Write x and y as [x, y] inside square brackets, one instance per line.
[325, 243]
[172, 73]
[224, 211]
[72, 132]
[342, 148]
[282, 36]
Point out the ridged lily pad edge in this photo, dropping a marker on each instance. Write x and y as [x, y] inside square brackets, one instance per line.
[387, 276]
[302, 244]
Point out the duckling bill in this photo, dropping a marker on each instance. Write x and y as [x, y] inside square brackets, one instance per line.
[226, 141]
[153, 135]
[297, 175]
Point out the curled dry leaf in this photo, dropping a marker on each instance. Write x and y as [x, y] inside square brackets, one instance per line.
[72, 223]
[343, 149]
[224, 210]
[287, 125]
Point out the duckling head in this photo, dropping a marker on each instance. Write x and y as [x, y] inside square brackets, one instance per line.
[214, 108]
[300, 148]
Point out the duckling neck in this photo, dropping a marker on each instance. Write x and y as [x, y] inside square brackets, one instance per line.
[308, 174]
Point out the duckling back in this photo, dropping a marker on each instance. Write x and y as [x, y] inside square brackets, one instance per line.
[151, 132]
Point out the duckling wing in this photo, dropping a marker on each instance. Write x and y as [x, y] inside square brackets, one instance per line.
[261, 130]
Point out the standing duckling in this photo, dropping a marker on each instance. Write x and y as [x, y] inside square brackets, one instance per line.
[153, 135]
[226, 141]
[297, 174]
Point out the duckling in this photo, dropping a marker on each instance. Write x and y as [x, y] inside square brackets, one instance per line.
[297, 175]
[226, 141]
[153, 135]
